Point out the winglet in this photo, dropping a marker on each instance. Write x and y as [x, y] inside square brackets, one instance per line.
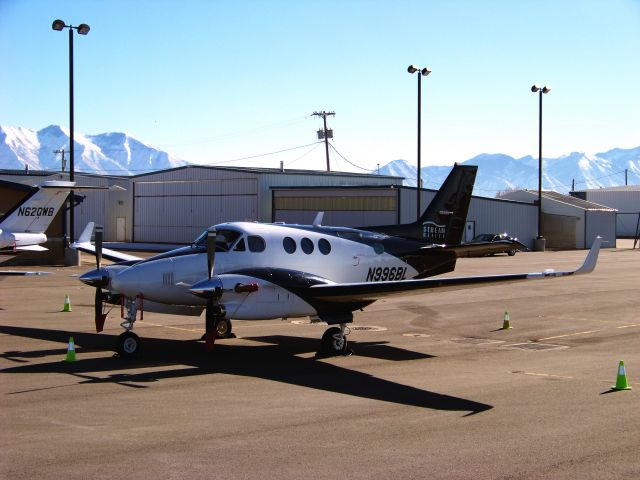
[317, 222]
[592, 257]
[85, 236]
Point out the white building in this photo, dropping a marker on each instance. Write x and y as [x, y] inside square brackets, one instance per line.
[569, 222]
[624, 199]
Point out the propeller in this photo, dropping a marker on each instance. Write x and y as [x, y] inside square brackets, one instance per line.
[98, 278]
[211, 250]
[99, 298]
[213, 309]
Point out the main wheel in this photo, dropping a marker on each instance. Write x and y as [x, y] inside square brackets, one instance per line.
[223, 328]
[511, 253]
[128, 344]
[334, 342]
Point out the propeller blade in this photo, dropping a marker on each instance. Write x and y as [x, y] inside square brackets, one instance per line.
[99, 234]
[210, 325]
[211, 250]
[99, 316]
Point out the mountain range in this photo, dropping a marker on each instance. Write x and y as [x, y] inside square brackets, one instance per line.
[121, 154]
[106, 154]
[499, 173]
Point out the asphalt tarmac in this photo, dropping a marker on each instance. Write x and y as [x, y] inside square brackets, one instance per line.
[434, 389]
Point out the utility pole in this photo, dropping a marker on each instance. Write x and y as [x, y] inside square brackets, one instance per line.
[325, 134]
[64, 161]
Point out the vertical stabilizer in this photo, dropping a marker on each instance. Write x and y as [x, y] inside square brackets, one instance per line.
[35, 213]
[444, 219]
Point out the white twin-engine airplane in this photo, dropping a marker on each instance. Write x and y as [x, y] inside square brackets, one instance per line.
[253, 271]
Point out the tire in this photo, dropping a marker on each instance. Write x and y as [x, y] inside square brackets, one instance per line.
[511, 253]
[333, 343]
[128, 344]
[223, 328]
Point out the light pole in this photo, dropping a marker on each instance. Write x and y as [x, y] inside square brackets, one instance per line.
[535, 88]
[82, 29]
[422, 72]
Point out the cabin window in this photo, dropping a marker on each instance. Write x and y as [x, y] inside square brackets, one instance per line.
[224, 239]
[378, 248]
[240, 246]
[307, 246]
[289, 244]
[256, 243]
[324, 246]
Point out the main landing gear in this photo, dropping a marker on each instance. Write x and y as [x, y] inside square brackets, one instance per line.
[334, 342]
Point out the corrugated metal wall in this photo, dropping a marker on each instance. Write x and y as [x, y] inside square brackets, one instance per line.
[600, 224]
[626, 201]
[498, 216]
[178, 211]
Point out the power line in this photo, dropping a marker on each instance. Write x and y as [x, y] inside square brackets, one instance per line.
[351, 163]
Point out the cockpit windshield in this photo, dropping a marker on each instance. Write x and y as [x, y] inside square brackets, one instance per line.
[225, 239]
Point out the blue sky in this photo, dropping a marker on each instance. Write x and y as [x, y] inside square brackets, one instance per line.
[214, 81]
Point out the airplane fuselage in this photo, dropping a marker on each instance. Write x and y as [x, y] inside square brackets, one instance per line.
[279, 258]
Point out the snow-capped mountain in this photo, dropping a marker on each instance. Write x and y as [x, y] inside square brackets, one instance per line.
[499, 172]
[120, 154]
[107, 153]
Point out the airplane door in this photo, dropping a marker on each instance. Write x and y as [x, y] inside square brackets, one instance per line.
[469, 231]
[121, 229]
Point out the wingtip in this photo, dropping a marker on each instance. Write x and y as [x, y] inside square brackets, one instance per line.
[589, 263]
[85, 236]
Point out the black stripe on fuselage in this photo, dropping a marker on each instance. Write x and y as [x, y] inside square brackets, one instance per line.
[299, 283]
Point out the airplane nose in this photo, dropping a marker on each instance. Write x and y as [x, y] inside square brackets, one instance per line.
[128, 281]
[96, 278]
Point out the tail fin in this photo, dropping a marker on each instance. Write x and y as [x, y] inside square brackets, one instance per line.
[35, 213]
[444, 219]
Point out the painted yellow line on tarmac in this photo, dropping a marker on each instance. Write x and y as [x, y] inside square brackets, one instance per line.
[569, 335]
[174, 328]
[545, 375]
[199, 330]
[548, 375]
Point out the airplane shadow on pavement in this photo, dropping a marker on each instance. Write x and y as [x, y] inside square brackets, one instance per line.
[275, 359]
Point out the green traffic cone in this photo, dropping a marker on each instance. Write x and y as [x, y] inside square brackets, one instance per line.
[506, 325]
[71, 351]
[67, 304]
[621, 380]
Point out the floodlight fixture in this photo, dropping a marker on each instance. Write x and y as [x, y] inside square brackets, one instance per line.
[425, 71]
[58, 25]
[412, 69]
[83, 29]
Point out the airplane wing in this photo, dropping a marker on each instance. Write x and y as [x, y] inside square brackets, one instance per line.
[19, 272]
[31, 248]
[370, 291]
[84, 245]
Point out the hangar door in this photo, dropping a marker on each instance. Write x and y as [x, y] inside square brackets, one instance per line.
[350, 207]
[178, 211]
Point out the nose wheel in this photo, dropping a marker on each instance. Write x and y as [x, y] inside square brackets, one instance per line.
[128, 344]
